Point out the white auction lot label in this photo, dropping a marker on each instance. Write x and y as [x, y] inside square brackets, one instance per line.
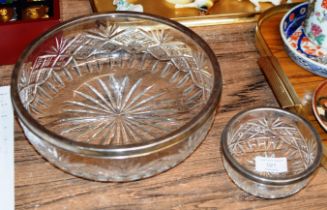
[7, 197]
[271, 164]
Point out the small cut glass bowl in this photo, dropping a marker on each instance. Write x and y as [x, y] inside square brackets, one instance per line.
[270, 152]
[116, 96]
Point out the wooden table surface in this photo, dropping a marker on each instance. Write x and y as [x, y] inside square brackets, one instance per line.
[200, 182]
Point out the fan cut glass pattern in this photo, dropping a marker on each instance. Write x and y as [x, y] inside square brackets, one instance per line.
[115, 85]
[272, 137]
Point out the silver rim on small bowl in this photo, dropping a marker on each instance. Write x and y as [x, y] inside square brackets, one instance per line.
[240, 172]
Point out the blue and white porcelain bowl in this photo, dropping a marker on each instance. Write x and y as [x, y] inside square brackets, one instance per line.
[301, 50]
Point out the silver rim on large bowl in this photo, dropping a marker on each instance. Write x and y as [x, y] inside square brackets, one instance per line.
[123, 151]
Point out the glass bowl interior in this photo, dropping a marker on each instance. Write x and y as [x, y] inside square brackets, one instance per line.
[272, 146]
[116, 80]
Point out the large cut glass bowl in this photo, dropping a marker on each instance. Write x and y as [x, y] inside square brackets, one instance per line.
[116, 96]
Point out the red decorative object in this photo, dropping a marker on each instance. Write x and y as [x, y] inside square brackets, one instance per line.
[15, 36]
[292, 16]
[324, 4]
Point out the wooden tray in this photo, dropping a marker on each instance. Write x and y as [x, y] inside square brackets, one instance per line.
[292, 85]
[223, 11]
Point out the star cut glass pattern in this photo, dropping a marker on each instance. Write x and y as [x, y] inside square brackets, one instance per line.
[270, 152]
[116, 85]
[117, 96]
[110, 104]
[272, 138]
